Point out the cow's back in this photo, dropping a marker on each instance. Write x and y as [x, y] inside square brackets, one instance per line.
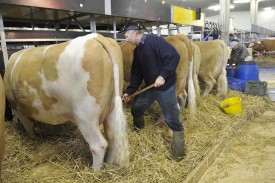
[48, 83]
[2, 131]
[127, 50]
[212, 55]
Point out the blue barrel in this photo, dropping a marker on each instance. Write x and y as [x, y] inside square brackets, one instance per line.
[248, 70]
[231, 72]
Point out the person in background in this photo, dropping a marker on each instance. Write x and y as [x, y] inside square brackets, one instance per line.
[155, 62]
[238, 53]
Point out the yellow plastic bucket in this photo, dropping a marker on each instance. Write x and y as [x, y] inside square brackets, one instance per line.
[232, 106]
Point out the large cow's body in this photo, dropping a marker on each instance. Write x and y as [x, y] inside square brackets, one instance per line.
[73, 81]
[2, 131]
[186, 68]
[213, 65]
[194, 56]
[263, 46]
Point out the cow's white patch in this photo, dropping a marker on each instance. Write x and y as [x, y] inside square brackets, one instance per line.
[31, 89]
[37, 103]
[70, 88]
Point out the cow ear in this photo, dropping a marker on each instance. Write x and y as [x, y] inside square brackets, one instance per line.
[259, 42]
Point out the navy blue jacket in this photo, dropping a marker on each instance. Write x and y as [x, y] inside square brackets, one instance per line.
[156, 57]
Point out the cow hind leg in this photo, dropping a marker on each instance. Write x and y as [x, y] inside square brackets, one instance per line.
[196, 85]
[92, 134]
[222, 84]
[26, 122]
[182, 99]
[209, 84]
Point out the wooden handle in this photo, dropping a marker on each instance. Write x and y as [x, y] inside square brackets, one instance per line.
[143, 90]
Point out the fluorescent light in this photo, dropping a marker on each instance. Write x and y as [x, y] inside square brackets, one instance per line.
[214, 7]
[217, 7]
[241, 1]
[267, 8]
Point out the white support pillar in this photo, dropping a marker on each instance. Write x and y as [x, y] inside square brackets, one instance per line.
[158, 29]
[224, 18]
[178, 29]
[192, 32]
[114, 28]
[92, 24]
[3, 42]
[253, 11]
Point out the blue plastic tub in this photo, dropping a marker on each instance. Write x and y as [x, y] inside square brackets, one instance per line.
[248, 70]
[231, 72]
[236, 84]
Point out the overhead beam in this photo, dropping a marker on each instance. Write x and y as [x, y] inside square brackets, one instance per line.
[95, 6]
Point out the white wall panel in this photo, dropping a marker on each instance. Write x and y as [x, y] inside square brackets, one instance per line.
[241, 20]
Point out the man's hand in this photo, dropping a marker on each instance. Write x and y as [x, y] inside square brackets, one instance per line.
[159, 81]
[125, 98]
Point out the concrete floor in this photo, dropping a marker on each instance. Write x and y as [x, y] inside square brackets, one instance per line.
[249, 157]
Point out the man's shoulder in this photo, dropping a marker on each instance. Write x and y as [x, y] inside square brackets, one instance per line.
[153, 37]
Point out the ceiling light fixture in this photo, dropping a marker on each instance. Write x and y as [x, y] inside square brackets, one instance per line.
[241, 1]
[163, 2]
[217, 7]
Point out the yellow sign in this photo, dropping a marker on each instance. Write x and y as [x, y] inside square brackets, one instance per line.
[186, 17]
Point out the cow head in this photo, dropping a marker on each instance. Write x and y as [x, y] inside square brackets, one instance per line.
[256, 46]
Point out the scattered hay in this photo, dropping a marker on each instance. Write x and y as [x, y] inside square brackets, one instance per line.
[65, 157]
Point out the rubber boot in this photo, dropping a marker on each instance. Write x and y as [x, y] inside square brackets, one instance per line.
[138, 123]
[178, 145]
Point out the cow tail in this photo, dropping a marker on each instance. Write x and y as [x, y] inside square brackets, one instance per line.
[191, 89]
[222, 80]
[196, 61]
[119, 128]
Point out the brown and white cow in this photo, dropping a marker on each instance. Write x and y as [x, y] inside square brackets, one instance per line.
[263, 46]
[78, 81]
[213, 65]
[2, 131]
